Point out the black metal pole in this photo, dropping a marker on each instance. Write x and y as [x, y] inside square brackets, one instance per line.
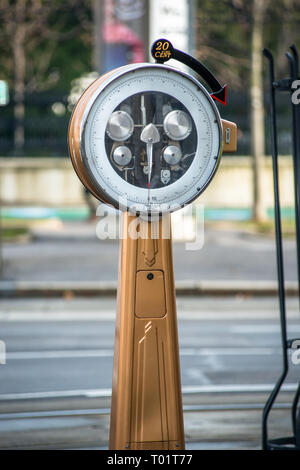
[294, 72]
[297, 111]
[279, 254]
[295, 165]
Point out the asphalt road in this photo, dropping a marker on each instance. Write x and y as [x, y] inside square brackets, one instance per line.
[60, 353]
[225, 254]
[68, 345]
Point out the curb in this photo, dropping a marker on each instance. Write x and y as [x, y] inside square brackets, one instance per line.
[109, 288]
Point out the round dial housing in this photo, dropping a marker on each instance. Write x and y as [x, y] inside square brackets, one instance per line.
[150, 138]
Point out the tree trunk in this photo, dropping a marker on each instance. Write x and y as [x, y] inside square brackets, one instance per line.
[19, 78]
[97, 19]
[257, 111]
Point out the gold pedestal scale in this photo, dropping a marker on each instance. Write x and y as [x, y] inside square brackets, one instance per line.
[147, 139]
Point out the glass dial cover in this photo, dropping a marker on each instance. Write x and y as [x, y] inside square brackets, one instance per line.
[172, 161]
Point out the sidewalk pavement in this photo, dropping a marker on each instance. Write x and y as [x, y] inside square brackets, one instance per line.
[109, 288]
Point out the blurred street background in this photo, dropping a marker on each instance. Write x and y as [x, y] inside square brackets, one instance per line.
[58, 279]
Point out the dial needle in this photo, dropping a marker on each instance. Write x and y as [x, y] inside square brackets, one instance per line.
[150, 136]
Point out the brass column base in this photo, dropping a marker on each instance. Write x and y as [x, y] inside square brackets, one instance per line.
[146, 409]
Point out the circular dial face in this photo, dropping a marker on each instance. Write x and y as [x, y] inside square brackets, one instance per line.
[151, 139]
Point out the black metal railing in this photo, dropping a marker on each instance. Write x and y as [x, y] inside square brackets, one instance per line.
[284, 85]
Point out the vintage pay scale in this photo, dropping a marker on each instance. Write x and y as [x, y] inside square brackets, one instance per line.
[147, 139]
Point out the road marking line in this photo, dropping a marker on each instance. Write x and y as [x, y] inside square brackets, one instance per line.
[26, 355]
[109, 315]
[86, 353]
[104, 411]
[186, 389]
[262, 329]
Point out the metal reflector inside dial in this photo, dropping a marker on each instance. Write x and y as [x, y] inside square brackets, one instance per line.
[177, 125]
[172, 154]
[122, 155]
[120, 126]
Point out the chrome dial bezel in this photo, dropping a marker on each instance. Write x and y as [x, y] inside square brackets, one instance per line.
[200, 95]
